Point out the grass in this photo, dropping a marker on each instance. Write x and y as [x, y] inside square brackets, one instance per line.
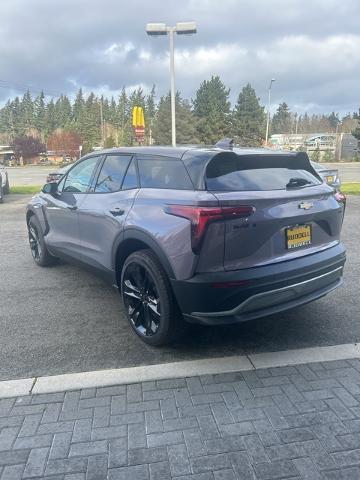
[26, 189]
[351, 188]
[347, 188]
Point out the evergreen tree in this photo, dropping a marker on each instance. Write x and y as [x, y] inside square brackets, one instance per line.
[185, 122]
[63, 112]
[50, 122]
[212, 109]
[281, 121]
[40, 114]
[150, 110]
[124, 119]
[112, 112]
[79, 106]
[26, 118]
[248, 119]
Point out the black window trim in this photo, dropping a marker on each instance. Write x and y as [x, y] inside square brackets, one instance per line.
[98, 170]
[64, 177]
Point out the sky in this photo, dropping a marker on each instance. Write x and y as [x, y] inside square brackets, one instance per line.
[311, 48]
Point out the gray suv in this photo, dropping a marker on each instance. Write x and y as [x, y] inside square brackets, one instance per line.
[204, 235]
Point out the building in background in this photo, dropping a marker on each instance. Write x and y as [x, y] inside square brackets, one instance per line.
[325, 146]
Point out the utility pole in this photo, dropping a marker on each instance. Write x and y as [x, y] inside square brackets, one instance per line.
[181, 28]
[268, 112]
[101, 123]
[172, 86]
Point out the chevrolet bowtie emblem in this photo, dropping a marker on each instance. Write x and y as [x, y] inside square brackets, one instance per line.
[306, 205]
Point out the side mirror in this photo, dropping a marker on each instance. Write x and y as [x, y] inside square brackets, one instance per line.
[50, 188]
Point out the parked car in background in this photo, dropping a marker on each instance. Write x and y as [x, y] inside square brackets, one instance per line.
[56, 176]
[205, 235]
[329, 175]
[4, 182]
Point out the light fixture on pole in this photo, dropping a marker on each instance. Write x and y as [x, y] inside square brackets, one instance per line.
[181, 28]
[268, 112]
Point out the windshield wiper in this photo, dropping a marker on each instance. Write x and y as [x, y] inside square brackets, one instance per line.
[297, 182]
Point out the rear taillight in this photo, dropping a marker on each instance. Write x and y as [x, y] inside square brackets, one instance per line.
[340, 197]
[200, 217]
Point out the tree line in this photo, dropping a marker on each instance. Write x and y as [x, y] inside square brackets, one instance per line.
[99, 121]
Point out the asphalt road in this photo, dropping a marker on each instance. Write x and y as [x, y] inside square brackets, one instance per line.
[63, 319]
[36, 175]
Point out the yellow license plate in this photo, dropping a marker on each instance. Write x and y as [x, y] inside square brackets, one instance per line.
[298, 236]
[330, 179]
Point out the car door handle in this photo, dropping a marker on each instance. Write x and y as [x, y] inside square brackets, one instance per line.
[117, 212]
[72, 207]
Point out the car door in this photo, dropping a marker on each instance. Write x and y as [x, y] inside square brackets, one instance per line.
[103, 212]
[61, 208]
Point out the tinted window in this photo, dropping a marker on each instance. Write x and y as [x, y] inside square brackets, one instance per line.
[130, 180]
[257, 173]
[112, 173]
[163, 173]
[79, 177]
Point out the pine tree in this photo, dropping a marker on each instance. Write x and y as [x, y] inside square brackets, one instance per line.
[281, 121]
[26, 119]
[185, 122]
[40, 114]
[150, 110]
[248, 119]
[79, 106]
[124, 119]
[63, 112]
[212, 109]
[50, 118]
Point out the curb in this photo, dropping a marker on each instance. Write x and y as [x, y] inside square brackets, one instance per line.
[128, 375]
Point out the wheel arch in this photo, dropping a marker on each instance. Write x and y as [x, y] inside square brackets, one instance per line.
[134, 240]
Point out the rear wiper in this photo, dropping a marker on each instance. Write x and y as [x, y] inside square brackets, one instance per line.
[297, 182]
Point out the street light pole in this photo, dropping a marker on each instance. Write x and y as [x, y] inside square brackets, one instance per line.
[268, 112]
[172, 86]
[181, 28]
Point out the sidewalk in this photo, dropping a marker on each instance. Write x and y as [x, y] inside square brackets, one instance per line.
[295, 422]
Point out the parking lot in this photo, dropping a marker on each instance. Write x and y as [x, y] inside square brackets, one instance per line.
[63, 319]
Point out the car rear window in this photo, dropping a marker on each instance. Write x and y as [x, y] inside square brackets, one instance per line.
[258, 172]
[163, 173]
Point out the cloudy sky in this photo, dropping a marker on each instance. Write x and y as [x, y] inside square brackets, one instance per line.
[311, 47]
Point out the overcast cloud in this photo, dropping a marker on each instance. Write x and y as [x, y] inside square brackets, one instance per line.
[311, 47]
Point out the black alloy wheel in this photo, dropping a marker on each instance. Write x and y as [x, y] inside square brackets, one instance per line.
[37, 244]
[148, 299]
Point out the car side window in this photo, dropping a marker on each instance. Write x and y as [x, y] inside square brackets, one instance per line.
[130, 180]
[163, 173]
[112, 173]
[78, 179]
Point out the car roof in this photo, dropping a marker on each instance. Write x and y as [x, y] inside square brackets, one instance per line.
[178, 152]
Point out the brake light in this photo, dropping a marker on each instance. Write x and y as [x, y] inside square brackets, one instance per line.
[200, 217]
[340, 197]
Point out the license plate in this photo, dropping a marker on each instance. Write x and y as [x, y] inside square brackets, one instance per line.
[330, 179]
[298, 236]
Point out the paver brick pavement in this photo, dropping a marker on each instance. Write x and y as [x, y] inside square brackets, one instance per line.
[298, 422]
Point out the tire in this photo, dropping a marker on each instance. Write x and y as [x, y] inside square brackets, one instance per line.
[149, 301]
[38, 247]
[6, 189]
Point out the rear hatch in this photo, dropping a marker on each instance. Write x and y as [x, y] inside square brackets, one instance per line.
[294, 214]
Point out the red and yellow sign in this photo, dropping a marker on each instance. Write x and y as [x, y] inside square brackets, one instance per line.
[138, 122]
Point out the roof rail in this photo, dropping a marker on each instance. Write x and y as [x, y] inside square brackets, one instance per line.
[225, 143]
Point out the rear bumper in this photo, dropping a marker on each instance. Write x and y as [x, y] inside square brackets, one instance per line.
[242, 295]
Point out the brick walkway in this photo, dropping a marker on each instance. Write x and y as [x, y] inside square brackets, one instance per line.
[290, 422]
